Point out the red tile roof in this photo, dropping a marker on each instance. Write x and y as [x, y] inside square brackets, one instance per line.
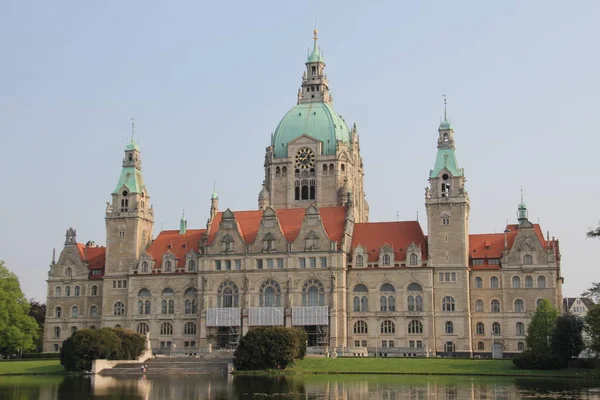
[290, 221]
[176, 243]
[96, 257]
[399, 235]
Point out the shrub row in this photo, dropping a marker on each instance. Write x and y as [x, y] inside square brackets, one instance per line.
[86, 345]
[270, 348]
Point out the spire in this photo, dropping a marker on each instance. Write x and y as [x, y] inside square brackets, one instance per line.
[131, 174]
[445, 124]
[132, 145]
[214, 193]
[182, 223]
[522, 212]
[316, 55]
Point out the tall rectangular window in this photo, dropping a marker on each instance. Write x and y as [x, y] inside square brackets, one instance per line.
[419, 344]
[238, 264]
[453, 277]
[270, 263]
[259, 264]
[411, 344]
[441, 277]
[302, 262]
[280, 263]
[313, 262]
[227, 264]
[218, 265]
[323, 262]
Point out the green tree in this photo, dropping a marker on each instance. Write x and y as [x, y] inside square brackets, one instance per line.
[592, 327]
[38, 312]
[539, 331]
[567, 341]
[593, 292]
[269, 348]
[18, 330]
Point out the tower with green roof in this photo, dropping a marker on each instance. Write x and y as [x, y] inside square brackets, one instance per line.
[313, 150]
[129, 222]
[447, 205]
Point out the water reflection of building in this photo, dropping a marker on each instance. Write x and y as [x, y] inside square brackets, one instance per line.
[309, 257]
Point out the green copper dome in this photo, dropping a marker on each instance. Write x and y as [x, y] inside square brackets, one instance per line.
[445, 125]
[318, 120]
[316, 56]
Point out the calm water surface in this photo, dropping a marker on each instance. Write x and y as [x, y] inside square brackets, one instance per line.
[308, 387]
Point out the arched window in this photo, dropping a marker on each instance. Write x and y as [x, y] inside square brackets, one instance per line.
[448, 304]
[270, 294]
[68, 271]
[541, 281]
[168, 266]
[528, 282]
[313, 293]
[360, 327]
[521, 346]
[495, 329]
[284, 170]
[415, 327]
[94, 290]
[386, 259]
[191, 292]
[478, 282]
[227, 244]
[77, 291]
[67, 290]
[359, 261]
[519, 306]
[192, 265]
[147, 307]
[166, 329]
[277, 171]
[343, 168]
[142, 328]
[93, 311]
[360, 288]
[391, 303]
[58, 312]
[449, 327]
[119, 308]
[527, 259]
[449, 347]
[494, 284]
[388, 326]
[480, 328]
[418, 303]
[74, 312]
[495, 306]
[480, 346]
[144, 293]
[516, 282]
[140, 307]
[387, 287]
[168, 292]
[189, 328]
[58, 291]
[228, 295]
[325, 168]
[145, 266]
[520, 329]
[413, 259]
[364, 304]
[356, 303]
[538, 303]
[383, 303]
[168, 307]
[479, 306]
[411, 303]
[73, 330]
[191, 306]
[415, 287]
[57, 332]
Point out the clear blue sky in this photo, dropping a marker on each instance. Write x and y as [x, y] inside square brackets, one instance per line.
[207, 83]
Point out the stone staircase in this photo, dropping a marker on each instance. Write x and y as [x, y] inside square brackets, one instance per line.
[174, 366]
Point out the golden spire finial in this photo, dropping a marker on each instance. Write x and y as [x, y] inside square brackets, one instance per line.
[316, 32]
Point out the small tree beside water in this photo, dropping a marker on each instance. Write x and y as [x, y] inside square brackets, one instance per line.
[270, 348]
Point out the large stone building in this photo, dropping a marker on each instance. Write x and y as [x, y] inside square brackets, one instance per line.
[309, 257]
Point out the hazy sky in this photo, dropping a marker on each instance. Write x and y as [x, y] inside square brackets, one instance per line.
[207, 83]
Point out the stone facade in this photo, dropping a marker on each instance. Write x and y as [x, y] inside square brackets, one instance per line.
[310, 258]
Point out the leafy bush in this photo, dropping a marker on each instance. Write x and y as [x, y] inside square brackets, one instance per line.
[303, 339]
[86, 345]
[269, 348]
[567, 340]
[530, 360]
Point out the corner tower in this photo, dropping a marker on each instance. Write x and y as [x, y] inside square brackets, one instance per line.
[447, 204]
[313, 153]
[129, 217]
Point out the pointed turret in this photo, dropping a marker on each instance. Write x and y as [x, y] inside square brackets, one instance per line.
[522, 213]
[264, 197]
[214, 202]
[315, 87]
[182, 224]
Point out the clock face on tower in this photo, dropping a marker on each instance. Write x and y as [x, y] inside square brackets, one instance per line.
[305, 158]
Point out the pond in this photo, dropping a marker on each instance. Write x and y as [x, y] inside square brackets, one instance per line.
[385, 387]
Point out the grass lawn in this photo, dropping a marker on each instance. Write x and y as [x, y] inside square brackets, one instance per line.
[31, 367]
[426, 366]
